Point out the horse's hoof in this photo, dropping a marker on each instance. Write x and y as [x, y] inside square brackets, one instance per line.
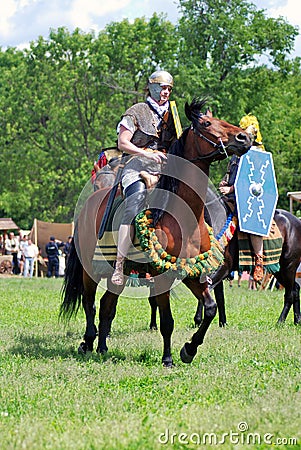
[82, 349]
[153, 328]
[185, 356]
[223, 324]
[167, 362]
[297, 320]
[102, 351]
[198, 319]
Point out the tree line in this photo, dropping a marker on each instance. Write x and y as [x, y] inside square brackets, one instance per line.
[62, 97]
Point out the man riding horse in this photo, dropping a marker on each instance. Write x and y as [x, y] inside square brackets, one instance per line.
[146, 132]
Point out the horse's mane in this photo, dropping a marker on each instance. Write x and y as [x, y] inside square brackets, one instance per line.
[166, 182]
[193, 112]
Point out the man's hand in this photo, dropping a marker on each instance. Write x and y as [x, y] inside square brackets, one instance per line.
[225, 190]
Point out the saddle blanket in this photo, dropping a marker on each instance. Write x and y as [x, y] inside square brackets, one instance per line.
[106, 248]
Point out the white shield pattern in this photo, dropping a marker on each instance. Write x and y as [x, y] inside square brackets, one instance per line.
[256, 192]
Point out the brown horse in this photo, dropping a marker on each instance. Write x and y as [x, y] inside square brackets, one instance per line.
[290, 229]
[180, 228]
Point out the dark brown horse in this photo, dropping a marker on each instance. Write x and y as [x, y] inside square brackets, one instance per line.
[290, 229]
[180, 228]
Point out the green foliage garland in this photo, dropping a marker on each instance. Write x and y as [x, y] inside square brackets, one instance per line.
[203, 263]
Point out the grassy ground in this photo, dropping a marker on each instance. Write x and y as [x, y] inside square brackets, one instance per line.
[243, 390]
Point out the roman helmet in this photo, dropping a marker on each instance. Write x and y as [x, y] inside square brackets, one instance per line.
[250, 124]
[156, 81]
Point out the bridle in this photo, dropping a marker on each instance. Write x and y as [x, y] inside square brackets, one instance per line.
[219, 152]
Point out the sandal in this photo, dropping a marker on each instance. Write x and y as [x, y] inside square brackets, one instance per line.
[118, 277]
[258, 270]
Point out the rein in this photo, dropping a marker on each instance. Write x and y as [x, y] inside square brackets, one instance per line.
[219, 149]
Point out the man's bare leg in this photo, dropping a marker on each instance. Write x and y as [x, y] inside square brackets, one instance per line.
[257, 244]
[125, 237]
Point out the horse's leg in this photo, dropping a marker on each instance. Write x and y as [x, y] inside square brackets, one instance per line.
[166, 326]
[201, 291]
[285, 310]
[296, 304]
[286, 277]
[291, 297]
[220, 300]
[153, 304]
[217, 280]
[88, 302]
[198, 317]
[107, 311]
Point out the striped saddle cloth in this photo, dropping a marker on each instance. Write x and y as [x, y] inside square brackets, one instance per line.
[272, 248]
[106, 248]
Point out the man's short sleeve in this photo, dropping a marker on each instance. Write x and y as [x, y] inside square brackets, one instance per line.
[128, 123]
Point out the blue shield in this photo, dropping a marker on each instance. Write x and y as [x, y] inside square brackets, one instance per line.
[256, 192]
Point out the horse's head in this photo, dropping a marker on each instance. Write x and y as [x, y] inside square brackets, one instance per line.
[213, 139]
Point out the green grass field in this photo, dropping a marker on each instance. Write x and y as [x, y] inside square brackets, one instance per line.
[243, 389]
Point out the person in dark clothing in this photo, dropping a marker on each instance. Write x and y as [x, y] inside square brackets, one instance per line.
[67, 247]
[52, 250]
[226, 187]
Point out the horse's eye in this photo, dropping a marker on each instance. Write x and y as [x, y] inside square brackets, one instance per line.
[206, 124]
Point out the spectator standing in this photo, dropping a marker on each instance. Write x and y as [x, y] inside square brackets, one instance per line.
[30, 253]
[2, 245]
[42, 266]
[21, 259]
[67, 248]
[5, 236]
[52, 250]
[12, 248]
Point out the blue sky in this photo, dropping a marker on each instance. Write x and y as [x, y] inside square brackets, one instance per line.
[22, 21]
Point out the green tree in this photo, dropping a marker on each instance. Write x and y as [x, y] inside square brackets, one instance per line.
[62, 98]
[237, 55]
[66, 100]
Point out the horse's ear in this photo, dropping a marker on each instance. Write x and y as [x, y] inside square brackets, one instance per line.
[188, 111]
[208, 113]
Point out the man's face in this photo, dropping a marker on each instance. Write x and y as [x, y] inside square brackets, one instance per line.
[165, 94]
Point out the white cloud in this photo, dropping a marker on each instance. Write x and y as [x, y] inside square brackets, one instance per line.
[83, 12]
[288, 11]
[7, 12]
[22, 21]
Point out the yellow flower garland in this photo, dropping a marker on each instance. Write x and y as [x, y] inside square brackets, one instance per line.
[203, 263]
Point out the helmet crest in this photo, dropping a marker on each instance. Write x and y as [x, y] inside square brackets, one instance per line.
[250, 124]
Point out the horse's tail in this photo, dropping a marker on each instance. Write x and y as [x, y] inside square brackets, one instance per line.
[73, 287]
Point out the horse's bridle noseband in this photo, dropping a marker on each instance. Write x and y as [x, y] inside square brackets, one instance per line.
[219, 149]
